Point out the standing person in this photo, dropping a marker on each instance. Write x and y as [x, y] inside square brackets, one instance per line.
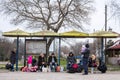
[86, 53]
[52, 61]
[29, 61]
[41, 62]
[13, 59]
[70, 60]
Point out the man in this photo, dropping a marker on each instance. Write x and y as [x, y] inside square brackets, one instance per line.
[12, 59]
[52, 61]
[86, 53]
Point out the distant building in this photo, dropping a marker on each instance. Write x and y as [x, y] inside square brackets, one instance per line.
[0, 33]
[114, 53]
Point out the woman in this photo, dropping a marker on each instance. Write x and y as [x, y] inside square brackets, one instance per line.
[70, 60]
[41, 62]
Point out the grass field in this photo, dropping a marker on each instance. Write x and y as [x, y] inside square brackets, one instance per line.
[2, 64]
[63, 64]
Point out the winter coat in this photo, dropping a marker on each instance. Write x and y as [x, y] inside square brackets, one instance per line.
[71, 59]
[86, 53]
[40, 60]
[29, 60]
[92, 62]
[50, 59]
[34, 61]
[13, 57]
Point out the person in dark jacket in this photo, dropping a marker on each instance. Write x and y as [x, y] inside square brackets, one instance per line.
[70, 60]
[86, 53]
[52, 61]
[34, 61]
[92, 62]
[41, 62]
[12, 59]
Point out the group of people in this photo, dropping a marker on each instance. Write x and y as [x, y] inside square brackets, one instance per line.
[41, 62]
[32, 61]
[86, 60]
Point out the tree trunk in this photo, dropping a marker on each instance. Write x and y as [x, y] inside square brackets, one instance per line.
[48, 46]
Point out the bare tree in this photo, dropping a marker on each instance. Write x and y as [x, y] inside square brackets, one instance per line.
[115, 8]
[48, 14]
[5, 49]
[65, 49]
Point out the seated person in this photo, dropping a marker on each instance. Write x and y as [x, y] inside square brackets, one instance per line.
[41, 62]
[70, 60]
[34, 61]
[52, 61]
[92, 63]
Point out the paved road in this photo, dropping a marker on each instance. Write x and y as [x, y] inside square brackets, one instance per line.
[6, 75]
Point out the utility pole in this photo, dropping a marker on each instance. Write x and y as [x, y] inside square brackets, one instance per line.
[105, 23]
[105, 17]
[105, 29]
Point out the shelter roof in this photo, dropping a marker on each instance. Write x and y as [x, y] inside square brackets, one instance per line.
[103, 34]
[15, 33]
[73, 33]
[44, 33]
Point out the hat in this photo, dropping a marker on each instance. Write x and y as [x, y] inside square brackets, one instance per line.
[87, 45]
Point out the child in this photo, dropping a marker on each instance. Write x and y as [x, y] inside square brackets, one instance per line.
[29, 61]
[82, 50]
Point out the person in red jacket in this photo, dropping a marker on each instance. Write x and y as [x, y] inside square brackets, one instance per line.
[29, 61]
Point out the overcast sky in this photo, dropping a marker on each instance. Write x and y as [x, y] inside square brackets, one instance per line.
[97, 19]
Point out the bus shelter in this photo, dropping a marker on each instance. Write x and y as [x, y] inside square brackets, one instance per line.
[70, 34]
[16, 33]
[103, 34]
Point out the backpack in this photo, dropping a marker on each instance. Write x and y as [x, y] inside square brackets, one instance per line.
[58, 69]
[102, 68]
[8, 66]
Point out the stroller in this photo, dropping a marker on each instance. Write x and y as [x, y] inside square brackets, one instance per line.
[72, 68]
